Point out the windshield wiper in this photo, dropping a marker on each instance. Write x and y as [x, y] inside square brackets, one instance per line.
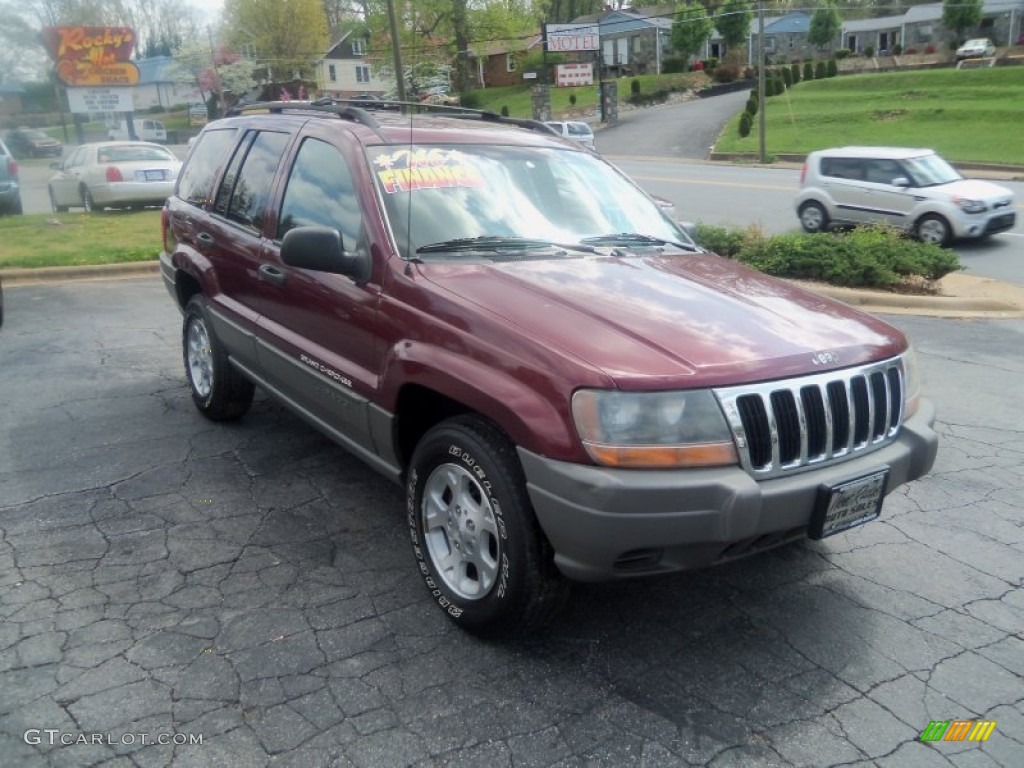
[491, 242]
[635, 238]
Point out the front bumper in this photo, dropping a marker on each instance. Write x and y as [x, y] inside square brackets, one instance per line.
[987, 223]
[609, 523]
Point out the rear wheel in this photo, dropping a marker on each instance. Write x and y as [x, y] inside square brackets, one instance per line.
[475, 537]
[218, 390]
[813, 217]
[932, 228]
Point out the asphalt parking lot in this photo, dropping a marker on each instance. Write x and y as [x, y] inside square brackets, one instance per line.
[165, 579]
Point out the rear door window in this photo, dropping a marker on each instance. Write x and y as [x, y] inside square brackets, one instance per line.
[248, 204]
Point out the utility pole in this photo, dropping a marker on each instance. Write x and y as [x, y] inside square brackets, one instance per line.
[760, 82]
[396, 47]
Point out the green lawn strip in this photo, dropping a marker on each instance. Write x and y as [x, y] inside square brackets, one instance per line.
[968, 116]
[75, 239]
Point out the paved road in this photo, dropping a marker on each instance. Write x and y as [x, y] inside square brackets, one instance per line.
[252, 583]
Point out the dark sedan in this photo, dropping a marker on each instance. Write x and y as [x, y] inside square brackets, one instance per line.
[31, 142]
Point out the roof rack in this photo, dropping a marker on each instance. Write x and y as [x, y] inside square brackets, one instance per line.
[347, 110]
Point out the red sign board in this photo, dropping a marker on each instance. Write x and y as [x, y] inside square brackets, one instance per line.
[88, 56]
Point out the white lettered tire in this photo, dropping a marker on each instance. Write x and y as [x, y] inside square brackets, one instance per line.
[476, 540]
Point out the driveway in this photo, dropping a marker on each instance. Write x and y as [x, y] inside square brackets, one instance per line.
[252, 585]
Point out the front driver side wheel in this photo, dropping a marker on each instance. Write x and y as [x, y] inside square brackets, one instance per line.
[813, 217]
[932, 228]
[218, 390]
[477, 542]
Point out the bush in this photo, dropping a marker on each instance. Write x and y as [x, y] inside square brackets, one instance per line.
[787, 76]
[470, 99]
[794, 72]
[726, 73]
[831, 68]
[843, 53]
[710, 64]
[897, 49]
[865, 257]
[504, 110]
[911, 51]
[572, 99]
[634, 86]
[674, 65]
[820, 71]
[752, 106]
[808, 71]
[746, 122]
[869, 51]
[929, 48]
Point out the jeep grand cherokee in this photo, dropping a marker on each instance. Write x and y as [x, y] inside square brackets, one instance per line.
[567, 387]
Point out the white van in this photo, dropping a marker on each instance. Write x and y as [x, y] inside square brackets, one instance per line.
[145, 130]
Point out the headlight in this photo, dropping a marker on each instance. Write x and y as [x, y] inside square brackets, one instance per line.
[971, 206]
[912, 382]
[653, 429]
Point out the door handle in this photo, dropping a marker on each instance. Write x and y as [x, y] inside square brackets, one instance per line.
[272, 275]
[205, 238]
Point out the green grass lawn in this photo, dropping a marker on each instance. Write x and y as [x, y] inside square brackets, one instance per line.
[970, 115]
[74, 239]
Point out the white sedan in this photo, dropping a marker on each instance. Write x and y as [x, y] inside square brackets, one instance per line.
[978, 47]
[114, 174]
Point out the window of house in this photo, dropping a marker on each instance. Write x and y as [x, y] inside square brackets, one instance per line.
[362, 74]
[510, 62]
[358, 47]
[332, 73]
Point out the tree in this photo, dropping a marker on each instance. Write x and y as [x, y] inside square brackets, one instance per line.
[961, 15]
[287, 36]
[733, 22]
[690, 29]
[825, 26]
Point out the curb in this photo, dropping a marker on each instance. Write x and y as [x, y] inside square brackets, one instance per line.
[875, 301]
[27, 276]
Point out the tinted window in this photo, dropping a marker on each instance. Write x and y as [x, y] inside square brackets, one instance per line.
[249, 197]
[195, 184]
[842, 167]
[320, 192]
[882, 171]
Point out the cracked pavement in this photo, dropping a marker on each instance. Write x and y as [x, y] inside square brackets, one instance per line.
[253, 583]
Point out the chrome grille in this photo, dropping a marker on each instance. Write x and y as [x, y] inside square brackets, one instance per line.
[787, 426]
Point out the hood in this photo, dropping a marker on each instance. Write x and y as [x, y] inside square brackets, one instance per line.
[670, 321]
[976, 189]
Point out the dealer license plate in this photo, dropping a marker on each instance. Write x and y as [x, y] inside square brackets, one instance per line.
[155, 175]
[844, 506]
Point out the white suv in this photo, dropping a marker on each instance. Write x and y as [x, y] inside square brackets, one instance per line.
[576, 130]
[912, 189]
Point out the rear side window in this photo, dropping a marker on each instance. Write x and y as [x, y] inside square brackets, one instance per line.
[843, 168]
[252, 187]
[195, 184]
[579, 129]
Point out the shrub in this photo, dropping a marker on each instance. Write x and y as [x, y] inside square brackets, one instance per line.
[470, 99]
[674, 65]
[820, 71]
[504, 110]
[808, 71]
[751, 108]
[910, 51]
[897, 49]
[780, 87]
[572, 99]
[831, 68]
[929, 48]
[787, 76]
[746, 121]
[634, 86]
[843, 53]
[869, 51]
[726, 73]
[710, 64]
[865, 257]
[794, 71]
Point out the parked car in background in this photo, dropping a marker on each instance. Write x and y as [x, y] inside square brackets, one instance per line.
[912, 189]
[114, 174]
[145, 130]
[440, 94]
[505, 324]
[10, 184]
[975, 48]
[576, 130]
[31, 142]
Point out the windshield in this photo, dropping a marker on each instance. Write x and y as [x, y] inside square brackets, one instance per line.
[438, 194]
[929, 170]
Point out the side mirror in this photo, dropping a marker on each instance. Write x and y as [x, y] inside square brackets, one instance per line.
[321, 249]
[901, 181]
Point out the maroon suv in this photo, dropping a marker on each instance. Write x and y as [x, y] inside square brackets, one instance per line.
[566, 385]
